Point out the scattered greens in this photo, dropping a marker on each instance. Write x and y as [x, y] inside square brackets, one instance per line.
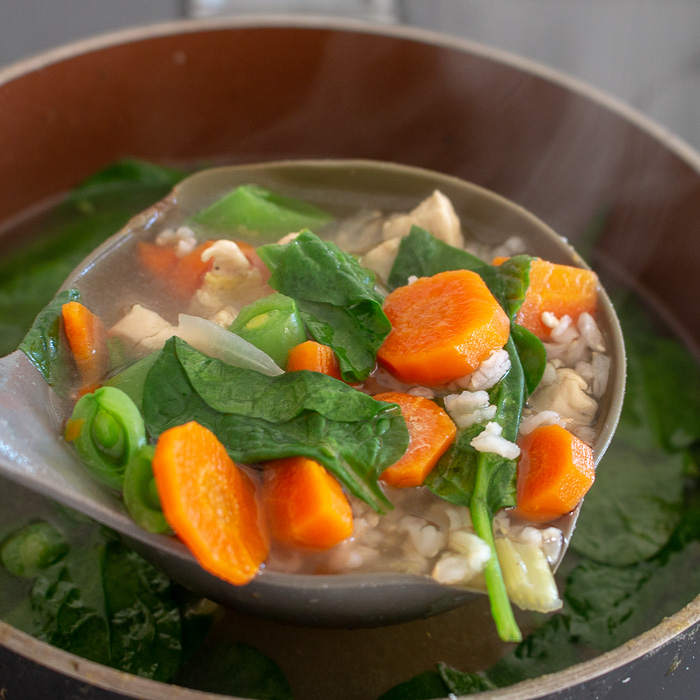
[260, 211]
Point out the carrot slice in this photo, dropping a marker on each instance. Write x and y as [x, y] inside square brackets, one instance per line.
[190, 270]
[560, 289]
[159, 260]
[443, 328]
[313, 356]
[431, 432]
[87, 340]
[182, 276]
[305, 505]
[555, 470]
[210, 503]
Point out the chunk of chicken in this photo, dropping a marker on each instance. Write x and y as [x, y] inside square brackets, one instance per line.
[567, 396]
[142, 330]
[435, 214]
[232, 282]
[381, 258]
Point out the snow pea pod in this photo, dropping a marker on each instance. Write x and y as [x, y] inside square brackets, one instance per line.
[107, 430]
[260, 210]
[140, 493]
[273, 324]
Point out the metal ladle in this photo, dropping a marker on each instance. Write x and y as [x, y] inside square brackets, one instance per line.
[33, 453]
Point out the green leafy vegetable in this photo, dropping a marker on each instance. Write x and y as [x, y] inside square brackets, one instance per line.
[103, 602]
[273, 324]
[144, 619]
[259, 210]
[635, 505]
[533, 356]
[337, 298]
[422, 255]
[107, 430]
[43, 344]
[235, 669]
[260, 418]
[32, 548]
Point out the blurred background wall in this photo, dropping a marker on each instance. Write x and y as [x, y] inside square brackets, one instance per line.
[646, 52]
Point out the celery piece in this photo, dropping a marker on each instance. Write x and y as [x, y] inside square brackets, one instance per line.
[262, 211]
[273, 324]
[529, 580]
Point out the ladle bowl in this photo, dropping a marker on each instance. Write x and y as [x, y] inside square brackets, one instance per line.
[33, 453]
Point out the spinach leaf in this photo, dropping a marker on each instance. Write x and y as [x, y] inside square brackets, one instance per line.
[609, 603]
[514, 279]
[442, 682]
[278, 399]
[547, 649]
[90, 214]
[66, 605]
[425, 686]
[483, 481]
[634, 505]
[533, 356]
[43, 344]
[355, 451]
[336, 296]
[144, 619]
[235, 669]
[103, 602]
[422, 255]
[462, 683]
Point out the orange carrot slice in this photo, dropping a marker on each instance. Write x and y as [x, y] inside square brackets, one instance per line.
[555, 470]
[313, 356]
[159, 260]
[305, 505]
[182, 276]
[431, 431]
[210, 503]
[560, 289]
[443, 327]
[87, 340]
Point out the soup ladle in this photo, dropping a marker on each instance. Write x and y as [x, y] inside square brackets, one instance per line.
[32, 415]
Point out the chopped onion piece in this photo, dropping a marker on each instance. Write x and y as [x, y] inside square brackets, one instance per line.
[215, 341]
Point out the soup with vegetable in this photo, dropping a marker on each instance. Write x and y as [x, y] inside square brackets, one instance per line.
[289, 389]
